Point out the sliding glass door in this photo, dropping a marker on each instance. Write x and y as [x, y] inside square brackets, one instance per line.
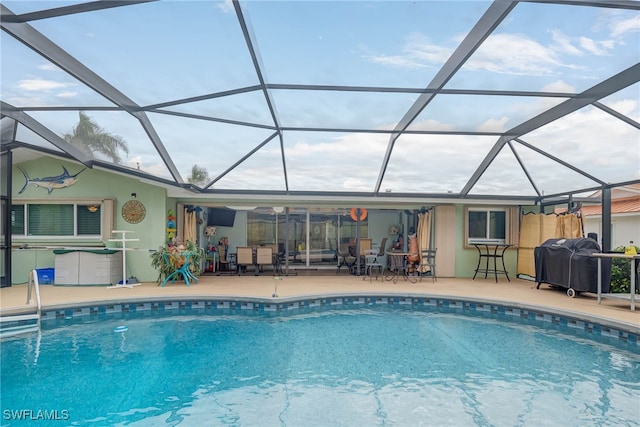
[315, 236]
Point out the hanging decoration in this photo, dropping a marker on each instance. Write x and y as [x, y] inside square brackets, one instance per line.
[210, 231]
[354, 214]
[171, 226]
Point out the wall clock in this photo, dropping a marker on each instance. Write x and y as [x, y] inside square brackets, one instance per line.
[133, 211]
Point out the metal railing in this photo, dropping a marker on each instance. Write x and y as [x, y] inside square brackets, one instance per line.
[16, 323]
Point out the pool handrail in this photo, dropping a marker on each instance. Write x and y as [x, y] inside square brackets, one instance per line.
[33, 280]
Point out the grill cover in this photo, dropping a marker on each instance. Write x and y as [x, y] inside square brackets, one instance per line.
[568, 263]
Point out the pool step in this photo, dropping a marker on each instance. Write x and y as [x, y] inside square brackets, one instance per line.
[19, 324]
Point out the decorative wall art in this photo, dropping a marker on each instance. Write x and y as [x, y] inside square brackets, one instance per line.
[133, 211]
[65, 179]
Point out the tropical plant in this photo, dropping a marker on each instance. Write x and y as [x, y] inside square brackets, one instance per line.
[88, 136]
[621, 273]
[198, 175]
[171, 256]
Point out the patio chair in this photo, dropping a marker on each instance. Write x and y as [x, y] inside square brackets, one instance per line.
[345, 258]
[371, 266]
[244, 257]
[381, 249]
[222, 257]
[365, 249]
[427, 263]
[264, 256]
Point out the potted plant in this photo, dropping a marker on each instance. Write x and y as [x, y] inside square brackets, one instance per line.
[173, 255]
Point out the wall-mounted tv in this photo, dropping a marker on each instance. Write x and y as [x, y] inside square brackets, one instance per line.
[221, 217]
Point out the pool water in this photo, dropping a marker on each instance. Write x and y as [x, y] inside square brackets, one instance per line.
[373, 366]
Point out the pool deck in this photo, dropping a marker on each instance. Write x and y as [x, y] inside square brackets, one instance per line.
[518, 292]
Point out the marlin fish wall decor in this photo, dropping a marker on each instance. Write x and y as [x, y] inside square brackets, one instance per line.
[50, 182]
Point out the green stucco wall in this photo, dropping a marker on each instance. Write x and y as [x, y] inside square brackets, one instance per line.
[467, 257]
[92, 184]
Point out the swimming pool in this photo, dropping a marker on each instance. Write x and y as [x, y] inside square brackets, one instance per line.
[325, 361]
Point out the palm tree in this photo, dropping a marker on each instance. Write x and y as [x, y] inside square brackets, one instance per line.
[92, 139]
[198, 176]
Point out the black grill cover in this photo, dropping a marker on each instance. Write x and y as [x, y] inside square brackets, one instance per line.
[568, 263]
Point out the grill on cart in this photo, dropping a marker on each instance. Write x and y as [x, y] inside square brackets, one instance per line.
[568, 263]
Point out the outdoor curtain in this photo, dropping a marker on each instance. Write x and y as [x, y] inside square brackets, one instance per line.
[424, 234]
[536, 228]
[189, 225]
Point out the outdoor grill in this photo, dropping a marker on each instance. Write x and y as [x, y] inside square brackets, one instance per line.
[569, 263]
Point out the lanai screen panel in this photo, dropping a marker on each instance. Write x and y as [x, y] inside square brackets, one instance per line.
[29, 80]
[210, 145]
[159, 51]
[321, 161]
[327, 96]
[434, 163]
[358, 43]
[549, 47]
[481, 113]
[593, 141]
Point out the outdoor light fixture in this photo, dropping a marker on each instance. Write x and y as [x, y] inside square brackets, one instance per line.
[134, 195]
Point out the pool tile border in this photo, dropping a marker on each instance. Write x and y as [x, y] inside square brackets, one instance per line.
[220, 305]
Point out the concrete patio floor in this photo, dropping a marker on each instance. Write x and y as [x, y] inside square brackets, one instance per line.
[518, 292]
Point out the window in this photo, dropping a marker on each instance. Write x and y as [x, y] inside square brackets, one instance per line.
[56, 220]
[17, 220]
[485, 225]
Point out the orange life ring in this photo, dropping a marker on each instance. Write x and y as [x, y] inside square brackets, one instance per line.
[354, 214]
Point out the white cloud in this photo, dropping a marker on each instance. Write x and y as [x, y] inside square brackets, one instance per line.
[493, 125]
[627, 107]
[48, 67]
[354, 184]
[157, 169]
[620, 27]
[226, 6]
[41, 84]
[593, 141]
[396, 61]
[563, 43]
[67, 94]
[592, 46]
[559, 86]
[418, 52]
[505, 53]
[419, 46]
[500, 53]
[515, 54]
[431, 124]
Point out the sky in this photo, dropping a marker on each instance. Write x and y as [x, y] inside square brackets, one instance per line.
[184, 49]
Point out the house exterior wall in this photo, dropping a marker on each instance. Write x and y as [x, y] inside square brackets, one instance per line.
[92, 185]
[624, 228]
[445, 226]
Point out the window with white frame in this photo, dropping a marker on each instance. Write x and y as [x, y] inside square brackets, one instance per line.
[56, 220]
[486, 225]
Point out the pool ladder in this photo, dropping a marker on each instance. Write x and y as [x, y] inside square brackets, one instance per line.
[16, 324]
